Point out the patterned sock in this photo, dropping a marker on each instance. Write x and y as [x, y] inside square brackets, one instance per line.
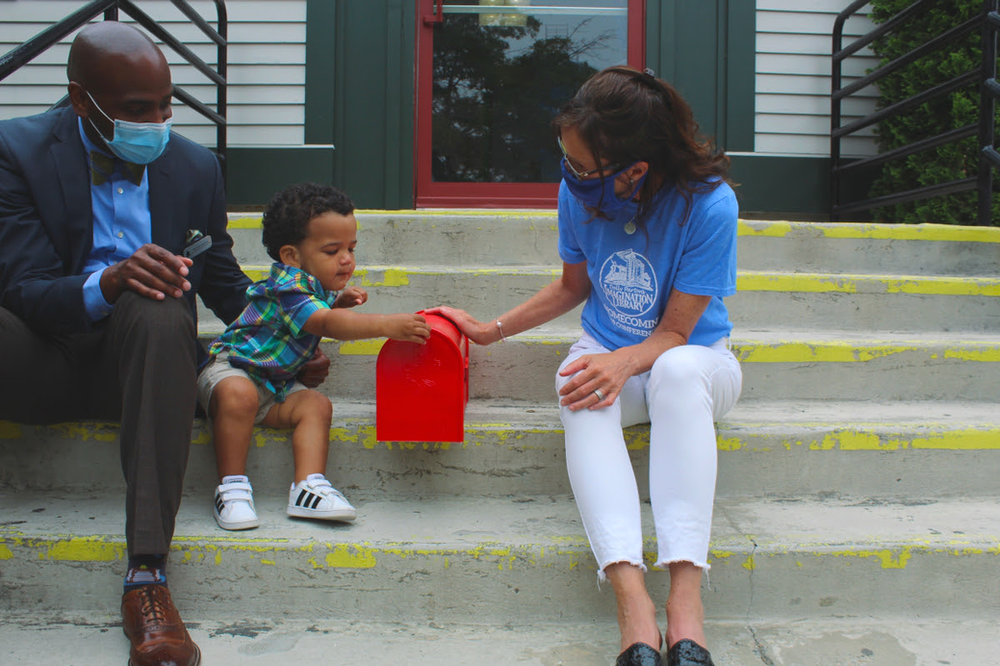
[146, 570]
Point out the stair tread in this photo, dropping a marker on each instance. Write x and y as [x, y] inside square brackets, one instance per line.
[492, 526]
[229, 637]
[768, 229]
[209, 327]
[485, 414]
[553, 268]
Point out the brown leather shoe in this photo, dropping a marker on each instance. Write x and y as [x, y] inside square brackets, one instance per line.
[155, 629]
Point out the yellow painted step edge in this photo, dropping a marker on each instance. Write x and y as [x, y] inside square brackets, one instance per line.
[570, 552]
[789, 351]
[749, 228]
[398, 276]
[749, 437]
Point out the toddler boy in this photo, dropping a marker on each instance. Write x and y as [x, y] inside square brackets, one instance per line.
[310, 232]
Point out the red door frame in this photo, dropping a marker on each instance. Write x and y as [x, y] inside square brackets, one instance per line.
[429, 194]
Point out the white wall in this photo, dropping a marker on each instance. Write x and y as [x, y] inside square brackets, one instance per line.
[266, 57]
[792, 102]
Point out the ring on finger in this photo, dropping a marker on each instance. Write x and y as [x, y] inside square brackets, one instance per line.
[599, 394]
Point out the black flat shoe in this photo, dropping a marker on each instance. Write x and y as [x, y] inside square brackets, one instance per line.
[639, 654]
[686, 652]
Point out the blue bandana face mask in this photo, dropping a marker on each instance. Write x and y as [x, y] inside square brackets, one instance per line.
[139, 143]
[597, 193]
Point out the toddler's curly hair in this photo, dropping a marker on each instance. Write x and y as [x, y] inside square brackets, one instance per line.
[287, 216]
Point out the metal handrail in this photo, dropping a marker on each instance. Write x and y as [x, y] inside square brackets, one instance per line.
[988, 21]
[32, 48]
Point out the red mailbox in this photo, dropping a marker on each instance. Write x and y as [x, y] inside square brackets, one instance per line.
[421, 390]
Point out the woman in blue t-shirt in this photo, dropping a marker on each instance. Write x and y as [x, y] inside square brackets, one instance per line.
[647, 235]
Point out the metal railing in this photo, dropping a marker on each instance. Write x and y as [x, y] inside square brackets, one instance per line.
[32, 48]
[987, 22]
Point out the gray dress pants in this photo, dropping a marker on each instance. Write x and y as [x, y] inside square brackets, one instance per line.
[137, 366]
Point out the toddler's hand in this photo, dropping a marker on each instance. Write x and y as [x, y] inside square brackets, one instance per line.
[351, 297]
[408, 328]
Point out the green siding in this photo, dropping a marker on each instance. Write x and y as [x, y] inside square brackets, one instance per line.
[741, 40]
[373, 109]
[320, 71]
[781, 184]
[706, 50]
[255, 174]
[791, 186]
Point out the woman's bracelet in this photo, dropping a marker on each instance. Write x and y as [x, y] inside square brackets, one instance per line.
[500, 330]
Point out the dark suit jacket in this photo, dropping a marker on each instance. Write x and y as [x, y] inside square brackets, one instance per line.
[46, 222]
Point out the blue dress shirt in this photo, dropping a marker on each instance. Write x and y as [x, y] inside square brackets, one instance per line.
[122, 224]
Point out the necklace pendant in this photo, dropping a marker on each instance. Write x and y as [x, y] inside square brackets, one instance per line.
[630, 227]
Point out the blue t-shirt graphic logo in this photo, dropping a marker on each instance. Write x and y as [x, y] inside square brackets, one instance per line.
[629, 283]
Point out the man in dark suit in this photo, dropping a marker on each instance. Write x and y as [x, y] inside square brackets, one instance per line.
[109, 226]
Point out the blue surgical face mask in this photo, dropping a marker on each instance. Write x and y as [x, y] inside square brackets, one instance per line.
[140, 143]
[598, 193]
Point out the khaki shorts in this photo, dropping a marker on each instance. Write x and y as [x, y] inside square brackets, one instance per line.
[218, 369]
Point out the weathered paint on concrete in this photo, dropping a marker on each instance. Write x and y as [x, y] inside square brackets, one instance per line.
[96, 638]
[768, 228]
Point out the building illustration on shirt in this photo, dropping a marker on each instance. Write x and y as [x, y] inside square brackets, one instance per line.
[629, 283]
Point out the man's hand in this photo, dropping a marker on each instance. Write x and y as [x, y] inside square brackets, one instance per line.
[351, 297]
[315, 370]
[151, 272]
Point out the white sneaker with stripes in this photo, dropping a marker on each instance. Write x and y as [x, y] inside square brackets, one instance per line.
[234, 509]
[316, 498]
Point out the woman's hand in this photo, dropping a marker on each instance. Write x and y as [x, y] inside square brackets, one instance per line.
[600, 377]
[596, 375]
[477, 331]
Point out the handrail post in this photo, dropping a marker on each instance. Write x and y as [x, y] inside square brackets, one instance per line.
[987, 116]
[835, 124]
[836, 78]
[221, 100]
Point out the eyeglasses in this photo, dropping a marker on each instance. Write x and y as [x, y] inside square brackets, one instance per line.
[583, 175]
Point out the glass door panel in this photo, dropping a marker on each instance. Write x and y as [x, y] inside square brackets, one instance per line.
[491, 76]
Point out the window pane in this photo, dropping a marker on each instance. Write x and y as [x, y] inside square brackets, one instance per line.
[502, 70]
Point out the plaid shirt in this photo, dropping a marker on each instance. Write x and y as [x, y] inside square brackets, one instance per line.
[267, 339]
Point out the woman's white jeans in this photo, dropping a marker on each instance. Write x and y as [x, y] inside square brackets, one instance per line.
[686, 390]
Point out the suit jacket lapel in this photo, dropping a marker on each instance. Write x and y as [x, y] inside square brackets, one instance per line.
[167, 232]
[73, 176]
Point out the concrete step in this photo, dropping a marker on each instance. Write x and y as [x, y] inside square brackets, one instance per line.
[860, 302]
[96, 638]
[496, 238]
[478, 289]
[449, 560]
[434, 238]
[777, 365]
[850, 247]
[773, 449]
[764, 299]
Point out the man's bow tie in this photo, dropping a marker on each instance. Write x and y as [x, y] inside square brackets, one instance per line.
[101, 167]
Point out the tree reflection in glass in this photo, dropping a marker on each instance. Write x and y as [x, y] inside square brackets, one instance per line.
[498, 84]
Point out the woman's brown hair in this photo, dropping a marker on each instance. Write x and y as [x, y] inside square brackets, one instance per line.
[625, 116]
